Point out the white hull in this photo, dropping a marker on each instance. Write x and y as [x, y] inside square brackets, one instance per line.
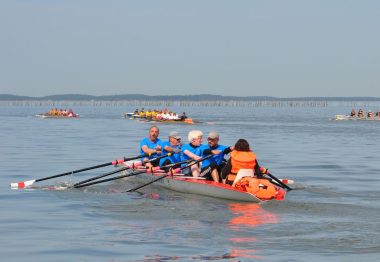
[196, 186]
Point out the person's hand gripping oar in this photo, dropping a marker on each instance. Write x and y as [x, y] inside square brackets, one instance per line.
[171, 172]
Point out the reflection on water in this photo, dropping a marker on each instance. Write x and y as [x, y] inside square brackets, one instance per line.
[247, 216]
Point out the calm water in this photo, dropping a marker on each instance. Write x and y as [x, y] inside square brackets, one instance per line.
[332, 215]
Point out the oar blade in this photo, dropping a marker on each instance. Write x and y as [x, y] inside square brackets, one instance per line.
[287, 181]
[23, 184]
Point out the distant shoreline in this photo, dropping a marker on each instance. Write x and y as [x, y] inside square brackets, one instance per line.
[169, 104]
[178, 98]
[65, 101]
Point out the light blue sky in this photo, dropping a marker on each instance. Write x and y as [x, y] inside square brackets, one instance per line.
[275, 48]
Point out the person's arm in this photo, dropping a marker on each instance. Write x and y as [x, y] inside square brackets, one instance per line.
[259, 171]
[191, 155]
[227, 150]
[226, 169]
[172, 149]
[147, 150]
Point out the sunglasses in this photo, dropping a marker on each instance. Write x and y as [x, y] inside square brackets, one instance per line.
[211, 139]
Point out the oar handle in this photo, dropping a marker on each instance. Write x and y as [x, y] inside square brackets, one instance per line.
[171, 172]
[197, 161]
[156, 158]
[136, 157]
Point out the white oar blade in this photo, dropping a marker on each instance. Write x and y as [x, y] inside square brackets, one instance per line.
[24, 184]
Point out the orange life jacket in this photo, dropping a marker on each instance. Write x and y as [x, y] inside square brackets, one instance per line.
[261, 188]
[239, 160]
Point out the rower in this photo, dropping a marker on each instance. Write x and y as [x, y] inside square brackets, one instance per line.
[361, 113]
[148, 114]
[142, 113]
[151, 145]
[173, 145]
[192, 151]
[212, 167]
[353, 112]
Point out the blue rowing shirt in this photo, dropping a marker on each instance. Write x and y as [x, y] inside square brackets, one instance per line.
[195, 150]
[151, 145]
[215, 158]
[174, 158]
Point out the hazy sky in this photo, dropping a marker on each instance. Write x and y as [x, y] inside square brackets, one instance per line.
[275, 48]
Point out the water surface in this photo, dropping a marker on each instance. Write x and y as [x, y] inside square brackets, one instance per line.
[332, 214]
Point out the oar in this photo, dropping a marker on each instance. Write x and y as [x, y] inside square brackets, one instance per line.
[31, 182]
[278, 181]
[85, 183]
[112, 178]
[100, 176]
[171, 172]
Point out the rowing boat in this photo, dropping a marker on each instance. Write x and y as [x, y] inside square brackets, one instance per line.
[57, 116]
[156, 120]
[345, 117]
[200, 186]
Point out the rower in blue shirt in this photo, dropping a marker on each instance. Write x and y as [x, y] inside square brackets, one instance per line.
[172, 146]
[192, 151]
[152, 146]
[212, 167]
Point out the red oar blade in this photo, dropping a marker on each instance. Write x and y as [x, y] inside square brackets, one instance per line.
[24, 184]
[287, 181]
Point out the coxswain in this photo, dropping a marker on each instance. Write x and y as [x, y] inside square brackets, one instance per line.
[243, 158]
[183, 116]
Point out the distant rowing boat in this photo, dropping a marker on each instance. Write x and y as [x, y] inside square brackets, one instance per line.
[172, 121]
[199, 186]
[57, 116]
[345, 117]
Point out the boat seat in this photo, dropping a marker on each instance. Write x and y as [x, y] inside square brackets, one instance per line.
[242, 173]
